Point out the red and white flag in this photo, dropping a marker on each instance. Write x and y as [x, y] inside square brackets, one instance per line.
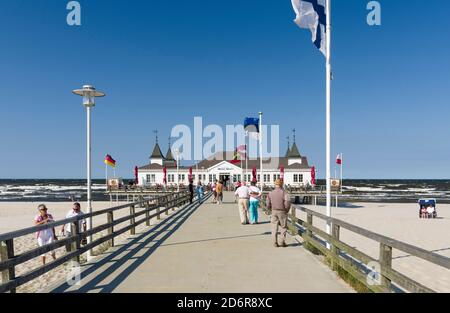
[242, 150]
[339, 159]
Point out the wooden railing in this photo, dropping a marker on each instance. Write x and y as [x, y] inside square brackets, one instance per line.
[151, 208]
[342, 257]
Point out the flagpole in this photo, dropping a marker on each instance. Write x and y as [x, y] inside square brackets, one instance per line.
[342, 164]
[106, 177]
[261, 177]
[328, 112]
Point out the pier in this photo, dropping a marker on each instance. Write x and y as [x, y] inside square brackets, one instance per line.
[202, 247]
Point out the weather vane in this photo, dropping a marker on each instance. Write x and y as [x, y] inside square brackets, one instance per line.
[156, 135]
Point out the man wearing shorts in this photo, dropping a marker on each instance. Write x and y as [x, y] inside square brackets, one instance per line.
[45, 236]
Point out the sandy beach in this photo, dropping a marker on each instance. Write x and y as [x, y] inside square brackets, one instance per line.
[18, 215]
[399, 221]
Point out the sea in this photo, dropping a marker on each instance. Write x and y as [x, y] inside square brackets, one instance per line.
[356, 190]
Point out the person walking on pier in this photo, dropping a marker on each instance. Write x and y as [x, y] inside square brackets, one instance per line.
[255, 195]
[199, 192]
[219, 190]
[279, 202]
[46, 236]
[67, 228]
[242, 194]
[191, 191]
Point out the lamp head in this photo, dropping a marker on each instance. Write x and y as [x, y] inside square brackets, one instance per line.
[89, 93]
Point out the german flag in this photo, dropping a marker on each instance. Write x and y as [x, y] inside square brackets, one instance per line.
[110, 161]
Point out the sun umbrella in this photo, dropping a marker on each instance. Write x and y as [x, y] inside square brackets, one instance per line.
[165, 175]
[190, 174]
[136, 179]
[313, 176]
[254, 174]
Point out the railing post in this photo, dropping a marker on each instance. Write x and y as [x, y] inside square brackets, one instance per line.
[110, 217]
[385, 262]
[294, 230]
[147, 213]
[335, 233]
[75, 245]
[132, 220]
[6, 253]
[169, 202]
[309, 221]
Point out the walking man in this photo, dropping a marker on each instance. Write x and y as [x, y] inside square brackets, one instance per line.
[255, 196]
[242, 194]
[279, 202]
[67, 228]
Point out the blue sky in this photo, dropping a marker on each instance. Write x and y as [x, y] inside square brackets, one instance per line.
[163, 62]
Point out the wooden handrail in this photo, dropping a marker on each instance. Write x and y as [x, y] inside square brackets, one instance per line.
[8, 261]
[340, 249]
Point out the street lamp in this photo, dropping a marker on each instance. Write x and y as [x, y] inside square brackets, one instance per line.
[89, 94]
[177, 154]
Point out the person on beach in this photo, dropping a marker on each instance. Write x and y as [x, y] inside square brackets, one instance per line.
[45, 236]
[242, 195]
[279, 202]
[219, 191]
[191, 191]
[255, 196]
[199, 192]
[67, 228]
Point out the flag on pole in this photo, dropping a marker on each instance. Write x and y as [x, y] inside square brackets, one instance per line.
[311, 14]
[242, 150]
[339, 159]
[251, 127]
[110, 161]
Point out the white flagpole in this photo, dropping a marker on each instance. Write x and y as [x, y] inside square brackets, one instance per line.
[328, 112]
[106, 177]
[261, 177]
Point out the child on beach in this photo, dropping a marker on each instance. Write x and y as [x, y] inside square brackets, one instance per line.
[46, 236]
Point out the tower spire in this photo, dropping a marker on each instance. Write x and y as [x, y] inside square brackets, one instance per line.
[156, 135]
[293, 132]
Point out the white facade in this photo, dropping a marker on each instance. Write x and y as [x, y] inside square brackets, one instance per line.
[224, 170]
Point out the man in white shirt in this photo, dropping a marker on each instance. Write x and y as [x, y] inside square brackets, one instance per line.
[242, 195]
[67, 228]
[255, 196]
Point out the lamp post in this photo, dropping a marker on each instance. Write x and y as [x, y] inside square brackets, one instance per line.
[89, 93]
[177, 154]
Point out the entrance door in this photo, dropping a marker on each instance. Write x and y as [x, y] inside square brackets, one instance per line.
[225, 178]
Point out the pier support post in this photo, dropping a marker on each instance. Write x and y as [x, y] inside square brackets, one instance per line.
[385, 262]
[6, 253]
[132, 219]
[110, 217]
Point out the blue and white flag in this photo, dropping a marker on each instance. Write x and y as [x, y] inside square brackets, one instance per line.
[251, 127]
[311, 14]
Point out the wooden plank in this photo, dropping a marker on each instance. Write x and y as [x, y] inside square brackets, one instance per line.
[132, 219]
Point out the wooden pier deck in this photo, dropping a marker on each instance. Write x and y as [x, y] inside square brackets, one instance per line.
[206, 249]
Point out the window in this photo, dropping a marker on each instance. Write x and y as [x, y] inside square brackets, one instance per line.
[298, 178]
[147, 178]
[193, 177]
[210, 178]
[239, 177]
[259, 177]
[153, 178]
